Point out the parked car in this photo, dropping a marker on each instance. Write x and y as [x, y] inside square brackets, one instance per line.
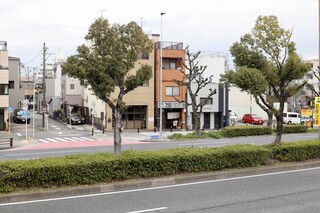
[21, 116]
[292, 118]
[253, 119]
[76, 119]
[233, 118]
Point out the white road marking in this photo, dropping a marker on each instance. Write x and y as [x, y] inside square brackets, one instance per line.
[149, 210]
[43, 141]
[40, 153]
[158, 187]
[19, 134]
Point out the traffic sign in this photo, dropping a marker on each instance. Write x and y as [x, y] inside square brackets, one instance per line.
[70, 108]
[9, 108]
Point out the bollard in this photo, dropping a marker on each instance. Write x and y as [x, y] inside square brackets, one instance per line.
[171, 128]
[155, 129]
[11, 142]
[138, 130]
[103, 130]
[92, 131]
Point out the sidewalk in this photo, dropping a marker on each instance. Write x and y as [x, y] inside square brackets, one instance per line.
[132, 134]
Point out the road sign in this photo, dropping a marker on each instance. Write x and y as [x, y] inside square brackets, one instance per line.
[9, 108]
[70, 108]
[317, 111]
[25, 113]
[25, 104]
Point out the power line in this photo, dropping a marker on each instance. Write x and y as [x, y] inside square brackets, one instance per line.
[34, 58]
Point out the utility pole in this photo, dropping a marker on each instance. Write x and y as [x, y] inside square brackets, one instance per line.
[44, 106]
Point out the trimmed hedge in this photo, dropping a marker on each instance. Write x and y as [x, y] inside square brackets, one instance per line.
[237, 131]
[296, 151]
[294, 129]
[106, 167]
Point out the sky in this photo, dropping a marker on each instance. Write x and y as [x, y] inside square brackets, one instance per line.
[203, 25]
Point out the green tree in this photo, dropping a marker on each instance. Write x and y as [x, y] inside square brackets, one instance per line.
[266, 66]
[195, 82]
[104, 65]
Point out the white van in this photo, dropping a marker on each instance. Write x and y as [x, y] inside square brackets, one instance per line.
[291, 118]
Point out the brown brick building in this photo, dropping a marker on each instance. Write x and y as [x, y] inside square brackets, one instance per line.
[173, 96]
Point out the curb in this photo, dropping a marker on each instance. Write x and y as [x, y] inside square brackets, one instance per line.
[153, 182]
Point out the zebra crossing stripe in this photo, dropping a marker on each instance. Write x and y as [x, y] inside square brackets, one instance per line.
[87, 139]
[80, 139]
[68, 139]
[60, 139]
[64, 139]
[49, 139]
[43, 141]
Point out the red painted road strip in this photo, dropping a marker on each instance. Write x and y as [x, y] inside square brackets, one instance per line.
[71, 144]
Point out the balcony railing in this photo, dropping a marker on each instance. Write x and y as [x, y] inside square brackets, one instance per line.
[169, 45]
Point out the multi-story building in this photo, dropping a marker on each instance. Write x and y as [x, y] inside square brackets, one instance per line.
[214, 112]
[16, 92]
[139, 113]
[173, 96]
[4, 86]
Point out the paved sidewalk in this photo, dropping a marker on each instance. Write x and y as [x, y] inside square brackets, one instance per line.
[132, 134]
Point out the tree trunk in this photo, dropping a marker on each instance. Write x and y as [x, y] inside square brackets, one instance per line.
[117, 132]
[269, 122]
[278, 132]
[197, 123]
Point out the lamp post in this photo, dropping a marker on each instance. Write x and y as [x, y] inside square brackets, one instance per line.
[160, 130]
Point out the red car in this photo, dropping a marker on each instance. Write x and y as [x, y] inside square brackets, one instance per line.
[253, 119]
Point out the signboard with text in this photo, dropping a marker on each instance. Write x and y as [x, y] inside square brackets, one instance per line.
[317, 111]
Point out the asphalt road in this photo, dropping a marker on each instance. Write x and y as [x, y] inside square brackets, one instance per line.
[23, 154]
[287, 191]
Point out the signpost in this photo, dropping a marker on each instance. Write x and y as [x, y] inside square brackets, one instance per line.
[25, 115]
[317, 113]
[9, 108]
[70, 109]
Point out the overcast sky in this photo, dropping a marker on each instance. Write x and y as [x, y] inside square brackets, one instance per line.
[204, 25]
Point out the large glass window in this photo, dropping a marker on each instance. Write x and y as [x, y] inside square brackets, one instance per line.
[4, 89]
[172, 91]
[169, 64]
[209, 102]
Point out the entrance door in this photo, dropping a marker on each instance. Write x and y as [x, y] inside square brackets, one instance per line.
[206, 120]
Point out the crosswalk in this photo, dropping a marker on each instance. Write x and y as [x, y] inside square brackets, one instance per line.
[64, 139]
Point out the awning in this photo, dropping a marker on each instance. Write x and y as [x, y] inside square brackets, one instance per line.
[173, 115]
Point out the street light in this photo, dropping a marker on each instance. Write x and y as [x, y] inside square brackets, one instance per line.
[160, 130]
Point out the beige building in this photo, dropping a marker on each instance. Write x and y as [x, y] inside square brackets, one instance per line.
[4, 86]
[140, 103]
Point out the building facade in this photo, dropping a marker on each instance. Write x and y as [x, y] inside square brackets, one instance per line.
[173, 96]
[4, 86]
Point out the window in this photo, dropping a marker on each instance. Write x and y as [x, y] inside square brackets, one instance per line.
[11, 84]
[169, 64]
[172, 91]
[4, 89]
[143, 56]
[209, 102]
[71, 86]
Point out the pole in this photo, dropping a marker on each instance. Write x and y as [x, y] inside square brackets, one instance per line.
[92, 122]
[9, 121]
[44, 85]
[33, 98]
[160, 129]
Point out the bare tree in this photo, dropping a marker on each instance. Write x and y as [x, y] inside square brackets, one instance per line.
[195, 82]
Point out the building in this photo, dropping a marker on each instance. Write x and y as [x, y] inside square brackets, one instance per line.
[4, 86]
[139, 113]
[213, 115]
[173, 96]
[16, 91]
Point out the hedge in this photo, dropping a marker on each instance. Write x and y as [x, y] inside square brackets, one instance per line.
[106, 167]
